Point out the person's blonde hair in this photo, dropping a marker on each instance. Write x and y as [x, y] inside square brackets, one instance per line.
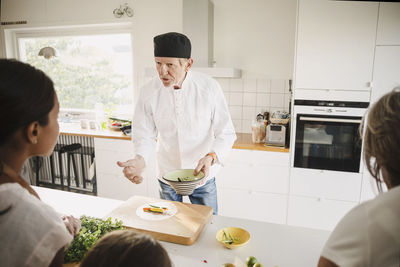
[382, 139]
[125, 248]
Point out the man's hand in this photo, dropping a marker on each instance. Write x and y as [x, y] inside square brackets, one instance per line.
[203, 165]
[73, 224]
[133, 169]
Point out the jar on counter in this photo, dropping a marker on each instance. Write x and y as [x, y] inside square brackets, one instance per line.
[258, 131]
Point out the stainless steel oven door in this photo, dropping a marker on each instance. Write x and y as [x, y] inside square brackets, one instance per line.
[327, 142]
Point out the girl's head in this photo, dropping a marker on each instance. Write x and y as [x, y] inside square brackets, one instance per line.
[382, 140]
[126, 248]
[28, 109]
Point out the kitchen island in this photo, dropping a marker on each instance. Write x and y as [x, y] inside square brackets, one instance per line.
[272, 244]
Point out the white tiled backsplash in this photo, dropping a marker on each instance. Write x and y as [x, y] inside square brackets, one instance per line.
[247, 97]
[250, 96]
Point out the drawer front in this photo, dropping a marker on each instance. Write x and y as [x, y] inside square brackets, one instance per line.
[317, 213]
[272, 179]
[252, 205]
[327, 184]
[255, 157]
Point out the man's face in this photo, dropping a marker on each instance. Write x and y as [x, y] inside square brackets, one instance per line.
[170, 71]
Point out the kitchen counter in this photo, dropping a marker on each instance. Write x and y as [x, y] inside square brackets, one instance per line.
[272, 244]
[243, 139]
[75, 129]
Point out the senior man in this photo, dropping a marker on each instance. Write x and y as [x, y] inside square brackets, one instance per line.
[187, 114]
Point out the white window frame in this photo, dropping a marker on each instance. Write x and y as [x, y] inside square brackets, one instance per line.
[12, 36]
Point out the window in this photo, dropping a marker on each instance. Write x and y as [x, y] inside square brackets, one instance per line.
[87, 70]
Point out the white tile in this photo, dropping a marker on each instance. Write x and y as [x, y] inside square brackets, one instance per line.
[250, 85]
[246, 126]
[227, 95]
[263, 86]
[249, 99]
[224, 83]
[277, 100]
[263, 100]
[238, 125]
[235, 99]
[236, 112]
[249, 113]
[278, 86]
[236, 85]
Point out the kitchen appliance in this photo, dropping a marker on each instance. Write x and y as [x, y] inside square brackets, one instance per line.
[182, 226]
[276, 135]
[326, 135]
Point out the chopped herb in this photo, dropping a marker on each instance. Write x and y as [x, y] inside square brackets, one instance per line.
[228, 239]
[92, 229]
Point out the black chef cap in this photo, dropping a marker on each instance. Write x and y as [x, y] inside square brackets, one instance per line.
[172, 44]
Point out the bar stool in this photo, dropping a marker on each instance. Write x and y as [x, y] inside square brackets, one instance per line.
[78, 149]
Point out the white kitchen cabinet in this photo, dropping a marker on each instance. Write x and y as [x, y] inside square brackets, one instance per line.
[253, 170]
[252, 205]
[335, 44]
[389, 24]
[386, 70]
[254, 185]
[332, 185]
[111, 182]
[316, 213]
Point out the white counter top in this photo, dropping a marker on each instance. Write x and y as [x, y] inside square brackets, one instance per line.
[272, 244]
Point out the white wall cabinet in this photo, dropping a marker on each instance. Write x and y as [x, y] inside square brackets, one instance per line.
[389, 24]
[335, 44]
[386, 70]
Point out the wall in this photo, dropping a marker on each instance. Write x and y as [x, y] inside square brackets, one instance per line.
[256, 36]
[248, 97]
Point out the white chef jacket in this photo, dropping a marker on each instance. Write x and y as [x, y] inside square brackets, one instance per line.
[187, 123]
[369, 235]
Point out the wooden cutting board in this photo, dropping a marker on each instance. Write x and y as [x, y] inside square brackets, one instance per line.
[184, 227]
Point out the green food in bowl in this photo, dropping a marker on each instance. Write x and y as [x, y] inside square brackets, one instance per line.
[185, 175]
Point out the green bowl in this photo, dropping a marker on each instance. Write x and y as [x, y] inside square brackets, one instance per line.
[183, 181]
[184, 175]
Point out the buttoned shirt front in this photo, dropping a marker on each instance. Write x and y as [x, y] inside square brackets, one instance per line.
[187, 123]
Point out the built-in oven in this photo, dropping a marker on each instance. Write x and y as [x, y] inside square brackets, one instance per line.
[326, 135]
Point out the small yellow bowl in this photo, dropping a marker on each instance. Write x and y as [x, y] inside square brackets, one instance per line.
[238, 236]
